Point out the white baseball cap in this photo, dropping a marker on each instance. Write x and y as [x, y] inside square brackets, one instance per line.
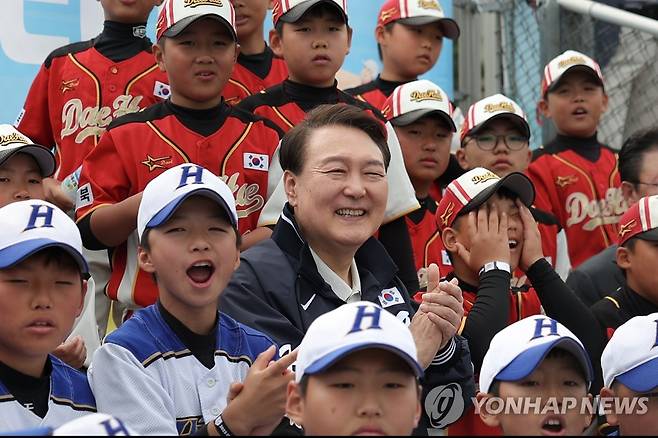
[352, 327]
[12, 142]
[165, 193]
[417, 13]
[96, 424]
[565, 62]
[517, 350]
[640, 220]
[631, 356]
[474, 188]
[413, 100]
[289, 11]
[32, 225]
[176, 15]
[490, 108]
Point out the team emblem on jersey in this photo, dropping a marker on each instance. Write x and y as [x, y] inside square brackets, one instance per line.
[92, 121]
[161, 90]
[563, 181]
[597, 212]
[69, 85]
[256, 161]
[626, 228]
[85, 196]
[156, 163]
[390, 297]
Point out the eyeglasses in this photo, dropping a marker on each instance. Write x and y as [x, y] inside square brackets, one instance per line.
[488, 142]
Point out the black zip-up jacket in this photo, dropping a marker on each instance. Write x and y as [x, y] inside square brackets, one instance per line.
[277, 289]
[618, 307]
[597, 277]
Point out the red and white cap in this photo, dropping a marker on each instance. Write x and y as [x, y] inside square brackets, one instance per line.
[567, 61]
[289, 11]
[474, 188]
[418, 13]
[490, 108]
[176, 15]
[13, 142]
[640, 220]
[413, 100]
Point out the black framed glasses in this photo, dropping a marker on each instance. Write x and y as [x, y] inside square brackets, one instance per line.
[488, 142]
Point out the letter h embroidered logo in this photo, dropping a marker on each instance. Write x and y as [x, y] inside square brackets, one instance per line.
[542, 324]
[372, 313]
[41, 217]
[189, 172]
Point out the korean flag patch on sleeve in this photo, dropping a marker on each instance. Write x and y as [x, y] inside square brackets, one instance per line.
[256, 161]
[161, 90]
[390, 297]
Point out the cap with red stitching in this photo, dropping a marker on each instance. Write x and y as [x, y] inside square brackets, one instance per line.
[640, 220]
[418, 13]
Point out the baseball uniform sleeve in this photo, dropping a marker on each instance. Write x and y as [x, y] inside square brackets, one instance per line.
[34, 119]
[103, 181]
[545, 192]
[123, 388]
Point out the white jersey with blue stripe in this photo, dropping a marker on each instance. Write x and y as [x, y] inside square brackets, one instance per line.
[145, 376]
[70, 398]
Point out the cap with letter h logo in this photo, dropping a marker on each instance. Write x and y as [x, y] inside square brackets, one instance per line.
[567, 61]
[289, 11]
[165, 193]
[33, 225]
[474, 188]
[490, 108]
[353, 327]
[631, 356]
[176, 15]
[640, 220]
[517, 350]
[413, 100]
[417, 13]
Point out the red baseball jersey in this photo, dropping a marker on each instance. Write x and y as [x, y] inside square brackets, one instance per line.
[253, 74]
[141, 146]
[78, 92]
[374, 92]
[286, 104]
[584, 196]
[425, 239]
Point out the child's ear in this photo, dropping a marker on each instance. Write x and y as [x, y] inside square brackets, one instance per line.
[449, 238]
[605, 103]
[295, 404]
[623, 258]
[460, 155]
[489, 419]
[290, 186]
[542, 105]
[611, 416]
[349, 39]
[144, 259]
[380, 32]
[158, 53]
[629, 192]
[276, 43]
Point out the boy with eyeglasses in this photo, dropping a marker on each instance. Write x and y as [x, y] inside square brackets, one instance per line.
[496, 136]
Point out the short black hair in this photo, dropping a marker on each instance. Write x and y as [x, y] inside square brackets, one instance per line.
[317, 11]
[632, 153]
[293, 144]
[61, 259]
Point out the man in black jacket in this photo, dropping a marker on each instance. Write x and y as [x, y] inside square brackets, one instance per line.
[638, 168]
[322, 255]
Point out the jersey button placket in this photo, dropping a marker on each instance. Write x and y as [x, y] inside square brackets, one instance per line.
[112, 87]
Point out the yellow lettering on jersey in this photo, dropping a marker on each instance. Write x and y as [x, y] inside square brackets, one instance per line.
[563, 181]
[156, 163]
[90, 121]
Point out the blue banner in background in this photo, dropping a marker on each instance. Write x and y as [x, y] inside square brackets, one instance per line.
[31, 29]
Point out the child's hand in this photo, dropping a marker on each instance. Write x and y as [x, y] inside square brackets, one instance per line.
[73, 352]
[263, 392]
[532, 250]
[53, 192]
[487, 231]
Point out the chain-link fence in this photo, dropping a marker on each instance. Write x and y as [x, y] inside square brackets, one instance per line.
[506, 43]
